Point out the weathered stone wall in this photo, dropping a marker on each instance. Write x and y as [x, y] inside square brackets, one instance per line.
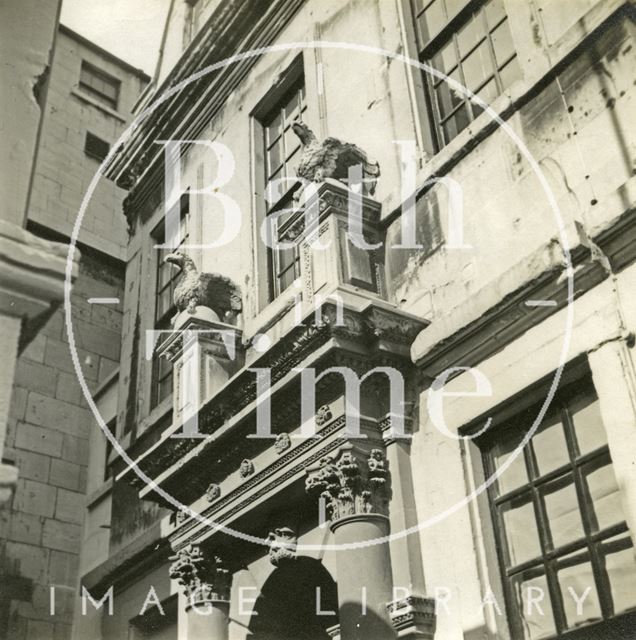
[50, 422]
[64, 171]
[48, 438]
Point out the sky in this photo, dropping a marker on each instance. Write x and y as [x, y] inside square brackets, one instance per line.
[130, 29]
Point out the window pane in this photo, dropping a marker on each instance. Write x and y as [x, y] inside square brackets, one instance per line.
[549, 445]
[274, 156]
[453, 7]
[432, 20]
[564, 516]
[446, 59]
[487, 93]
[510, 73]
[274, 129]
[580, 599]
[605, 496]
[521, 531]
[292, 142]
[588, 425]
[447, 98]
[470, 34]
[477, 66]
[535, 608]
[291, 108]
[455, 124]
[495, 12]
[515, 475]
[621, 569]
[502, 43]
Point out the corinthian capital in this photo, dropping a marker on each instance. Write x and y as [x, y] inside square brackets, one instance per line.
[201, 574]
[352, 482]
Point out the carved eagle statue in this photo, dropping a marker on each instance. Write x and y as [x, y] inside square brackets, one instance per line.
[332, 158]
[207, 289]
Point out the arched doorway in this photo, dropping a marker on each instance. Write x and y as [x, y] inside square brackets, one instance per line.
[294, 601]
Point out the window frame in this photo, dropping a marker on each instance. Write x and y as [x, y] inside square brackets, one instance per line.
[433, 46]
[162, 369]
[103, 76]
[91, 139]
[551, 558]
[293, 85]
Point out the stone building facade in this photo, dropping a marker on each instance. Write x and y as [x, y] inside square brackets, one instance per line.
[484, 486]
[89, 99]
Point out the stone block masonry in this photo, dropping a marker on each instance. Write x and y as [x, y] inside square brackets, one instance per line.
[41, 528]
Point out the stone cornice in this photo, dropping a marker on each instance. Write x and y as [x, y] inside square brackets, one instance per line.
[236, 26]
[496, 315]
[382, 335]
[32, 272]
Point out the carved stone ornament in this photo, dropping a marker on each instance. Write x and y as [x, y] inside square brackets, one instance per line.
[282, 443]
[246, 468]
[180, 517]
[201, 574]
[413, 615]
[213, 492]
[323, 415]
[351, 483]
[282, 546]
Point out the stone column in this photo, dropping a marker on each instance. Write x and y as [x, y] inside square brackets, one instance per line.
[207, 590]
[354, 487]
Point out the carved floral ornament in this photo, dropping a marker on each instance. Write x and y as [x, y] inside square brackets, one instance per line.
[351, 482]
[201, 574]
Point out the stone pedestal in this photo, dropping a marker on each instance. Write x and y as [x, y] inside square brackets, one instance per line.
[207, 592]
[339, 236]
[354, 486]
[205, 354]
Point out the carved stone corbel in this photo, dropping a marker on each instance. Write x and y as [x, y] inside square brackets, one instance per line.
[282, 545]
[201, 574]
[352, 482]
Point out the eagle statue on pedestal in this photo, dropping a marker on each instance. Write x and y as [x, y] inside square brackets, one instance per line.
[332, 158]
[210, 290]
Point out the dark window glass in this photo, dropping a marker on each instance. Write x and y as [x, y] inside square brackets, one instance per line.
[282, 148]
[560, 528]
[469, 41]
[99, 84]
[96, 147]
[166, 281]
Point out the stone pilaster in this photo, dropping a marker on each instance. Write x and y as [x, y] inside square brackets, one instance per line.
[206, 586]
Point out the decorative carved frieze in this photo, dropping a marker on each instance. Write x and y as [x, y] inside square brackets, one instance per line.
[213, 492]
[413, 617]
[357, 325]
[351, 482]
[201, 573]
[282, 545]
[282, 443]
[246, 469]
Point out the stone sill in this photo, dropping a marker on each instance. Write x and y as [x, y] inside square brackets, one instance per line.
[78, 93]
